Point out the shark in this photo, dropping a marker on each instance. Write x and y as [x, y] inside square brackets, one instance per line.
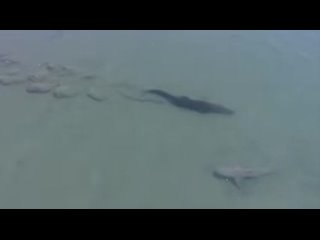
[237, 174]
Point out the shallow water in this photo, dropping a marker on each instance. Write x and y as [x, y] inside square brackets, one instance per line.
[117, 153]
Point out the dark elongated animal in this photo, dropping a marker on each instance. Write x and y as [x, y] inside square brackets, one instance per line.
[236, 174]
[191, 104]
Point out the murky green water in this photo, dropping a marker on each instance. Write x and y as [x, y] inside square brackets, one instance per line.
[75, 152]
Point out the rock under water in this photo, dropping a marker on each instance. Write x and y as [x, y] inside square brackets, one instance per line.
[64, 91]
[40, 87]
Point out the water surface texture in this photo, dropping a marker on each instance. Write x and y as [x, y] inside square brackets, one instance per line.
[77, 142]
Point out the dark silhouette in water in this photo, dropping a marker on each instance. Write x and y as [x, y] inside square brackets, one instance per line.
[193, 105]
[237, 174]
